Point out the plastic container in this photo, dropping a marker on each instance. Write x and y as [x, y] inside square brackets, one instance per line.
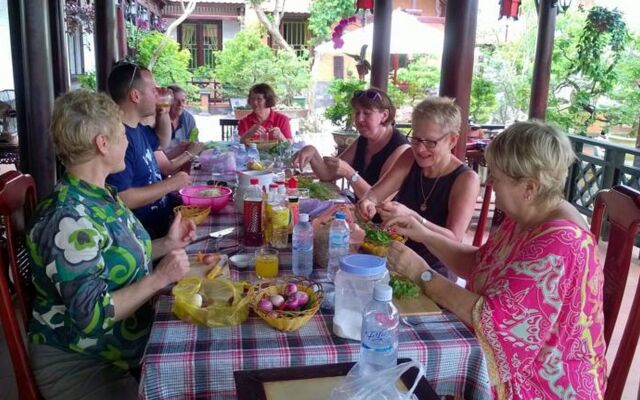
[338, 244]
[354, 283]
[302, 246]
[217, 162]
[379, 344]
[252, 215]
[192, 196]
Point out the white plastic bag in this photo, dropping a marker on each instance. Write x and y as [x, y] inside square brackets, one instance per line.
[380, 385]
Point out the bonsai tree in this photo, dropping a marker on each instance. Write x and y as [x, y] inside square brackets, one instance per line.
[341, 91]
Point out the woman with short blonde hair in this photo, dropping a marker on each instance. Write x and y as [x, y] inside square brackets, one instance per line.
[432, 184]
[91, 262]
[534, 293]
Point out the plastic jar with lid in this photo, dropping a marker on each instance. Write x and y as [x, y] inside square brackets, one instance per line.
[354, 285]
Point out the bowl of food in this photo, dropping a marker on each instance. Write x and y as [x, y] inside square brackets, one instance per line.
[378, 239]
[286, 303]
[193, 213]
[214, 197]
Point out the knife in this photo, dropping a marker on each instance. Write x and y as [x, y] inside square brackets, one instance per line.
[214, 235]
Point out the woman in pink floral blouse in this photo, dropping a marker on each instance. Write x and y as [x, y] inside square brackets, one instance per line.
[535, 287]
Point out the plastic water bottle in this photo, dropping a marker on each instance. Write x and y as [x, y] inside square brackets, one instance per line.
[302, 245]
[379, 342]
[241, 157]
[338, 244]
[253, 154]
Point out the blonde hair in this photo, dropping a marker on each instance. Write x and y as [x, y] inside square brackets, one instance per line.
[77, 118]
[440, 110]
[533, 150]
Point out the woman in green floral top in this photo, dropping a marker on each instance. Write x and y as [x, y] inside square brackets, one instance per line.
[91, 262]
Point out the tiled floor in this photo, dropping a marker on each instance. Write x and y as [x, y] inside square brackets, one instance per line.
[8, 390]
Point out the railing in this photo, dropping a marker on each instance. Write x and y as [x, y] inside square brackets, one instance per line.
[599, 165]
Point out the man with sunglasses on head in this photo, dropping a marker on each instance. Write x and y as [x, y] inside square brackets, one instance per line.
[140, 185]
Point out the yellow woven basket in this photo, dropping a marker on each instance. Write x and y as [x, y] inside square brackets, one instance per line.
[197, 214]
[287, 320]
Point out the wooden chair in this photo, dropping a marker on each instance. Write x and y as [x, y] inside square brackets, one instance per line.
[228, 128]
[17, 202]
[622, 206]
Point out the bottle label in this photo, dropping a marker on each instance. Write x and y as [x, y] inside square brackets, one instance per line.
[252, 217]
[377, 340]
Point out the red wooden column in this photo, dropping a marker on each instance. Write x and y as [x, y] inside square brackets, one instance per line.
[457, 60]
[382, 10]
[106, 44]
[542, 63]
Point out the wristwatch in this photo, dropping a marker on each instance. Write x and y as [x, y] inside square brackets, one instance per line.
[426, 276]
[354, 178]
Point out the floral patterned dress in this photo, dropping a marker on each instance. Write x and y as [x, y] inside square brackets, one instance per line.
[539, 319]
[85, 244]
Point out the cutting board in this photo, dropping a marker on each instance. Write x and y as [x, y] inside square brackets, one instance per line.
[416, 306]
[200, 270]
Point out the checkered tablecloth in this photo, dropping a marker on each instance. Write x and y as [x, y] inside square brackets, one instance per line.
[185, 361]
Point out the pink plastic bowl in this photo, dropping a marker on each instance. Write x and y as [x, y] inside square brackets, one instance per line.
[191, 197]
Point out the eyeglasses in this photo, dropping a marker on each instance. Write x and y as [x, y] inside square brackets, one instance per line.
[427, 143]
[369, 94]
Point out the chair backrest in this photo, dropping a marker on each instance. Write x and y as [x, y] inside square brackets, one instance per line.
[228, 127]
[17, 201]
[622, 207]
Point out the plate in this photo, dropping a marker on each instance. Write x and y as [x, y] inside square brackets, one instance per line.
[242, 260]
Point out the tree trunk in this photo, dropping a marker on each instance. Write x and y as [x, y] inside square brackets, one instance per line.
[273, 27]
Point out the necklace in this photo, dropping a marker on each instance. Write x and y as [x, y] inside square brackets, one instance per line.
[423, 206]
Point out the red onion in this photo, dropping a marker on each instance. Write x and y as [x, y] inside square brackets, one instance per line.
[302, 297]
[265, 305]
[276, 300]
[291, 303]
[290, 289]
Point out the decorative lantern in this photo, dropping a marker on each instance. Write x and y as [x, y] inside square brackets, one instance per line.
[509, 8]
[364, 5]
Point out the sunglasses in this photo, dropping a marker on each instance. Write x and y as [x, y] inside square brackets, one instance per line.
[135, 70]
[427, 143]
[369, 94]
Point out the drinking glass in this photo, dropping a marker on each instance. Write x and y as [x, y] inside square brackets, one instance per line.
[165, 99]
[266, 263]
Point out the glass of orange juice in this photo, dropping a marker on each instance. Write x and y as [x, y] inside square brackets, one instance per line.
[266, 263]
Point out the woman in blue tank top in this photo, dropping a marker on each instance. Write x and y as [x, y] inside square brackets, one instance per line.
[433, 185]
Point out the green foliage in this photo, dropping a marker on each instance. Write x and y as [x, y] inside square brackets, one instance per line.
[203, 73]
[324, 13]
[421, 76]
[341, 91]
[88, 80]
[246, 60]
[626, 94]
[483, 99]
[172, 65]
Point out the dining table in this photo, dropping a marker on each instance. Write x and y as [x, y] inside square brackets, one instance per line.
[187, 361]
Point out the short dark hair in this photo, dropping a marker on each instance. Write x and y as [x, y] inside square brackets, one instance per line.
[375, 99]
[176, 89]
[123, 77]
[266, 91]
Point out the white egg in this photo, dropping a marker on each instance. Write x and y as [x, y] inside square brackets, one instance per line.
[196, 300]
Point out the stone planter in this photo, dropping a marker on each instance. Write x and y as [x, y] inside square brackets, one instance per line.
[294, 112]
[344, 138]
[241, 113]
